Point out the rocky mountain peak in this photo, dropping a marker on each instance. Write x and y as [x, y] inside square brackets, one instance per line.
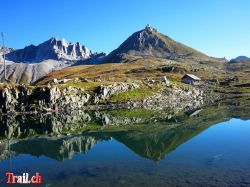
[150, 28]
[145, 42]
[58, 42]
[68, 50]
[151, 43]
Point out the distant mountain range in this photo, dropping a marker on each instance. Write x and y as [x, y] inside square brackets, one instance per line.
[240, 59]
[240, 63]
[33, 62]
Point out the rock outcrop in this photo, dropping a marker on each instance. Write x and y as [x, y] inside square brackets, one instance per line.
[23, 99]
[105, 92]
[52, 98]
[60, 98]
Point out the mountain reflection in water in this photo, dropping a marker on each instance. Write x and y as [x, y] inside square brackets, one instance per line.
[150, 134]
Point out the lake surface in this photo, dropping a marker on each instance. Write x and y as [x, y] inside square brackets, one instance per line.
[204, 147]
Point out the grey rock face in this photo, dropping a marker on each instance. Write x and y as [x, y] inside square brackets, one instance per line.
[41, 99]
[141, 43]
[54, 49]
[54, 98]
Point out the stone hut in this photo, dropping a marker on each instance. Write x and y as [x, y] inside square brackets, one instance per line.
[190, 79]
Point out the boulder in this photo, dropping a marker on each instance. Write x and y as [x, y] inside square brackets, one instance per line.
[165, 80]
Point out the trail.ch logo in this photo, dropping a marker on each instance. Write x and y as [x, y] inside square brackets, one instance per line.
[25, 178]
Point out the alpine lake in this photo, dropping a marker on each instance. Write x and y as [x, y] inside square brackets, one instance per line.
[209, 146]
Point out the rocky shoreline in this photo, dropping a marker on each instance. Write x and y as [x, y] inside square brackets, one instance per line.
[25, 99]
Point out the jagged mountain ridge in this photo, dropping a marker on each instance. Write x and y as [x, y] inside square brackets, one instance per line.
[149, 42]
[54, 48]
[33, 62]
[5, 49]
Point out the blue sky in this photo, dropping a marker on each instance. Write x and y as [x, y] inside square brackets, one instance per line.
[219, 28]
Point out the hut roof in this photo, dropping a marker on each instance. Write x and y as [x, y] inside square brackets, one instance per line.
[192, 77]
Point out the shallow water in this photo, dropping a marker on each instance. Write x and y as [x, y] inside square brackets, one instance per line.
[208, 149]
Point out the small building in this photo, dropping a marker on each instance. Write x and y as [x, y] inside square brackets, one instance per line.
[190, 79]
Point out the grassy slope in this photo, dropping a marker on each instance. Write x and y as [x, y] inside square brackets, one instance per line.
[187, 51]
[142, 68]
[180, 48]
